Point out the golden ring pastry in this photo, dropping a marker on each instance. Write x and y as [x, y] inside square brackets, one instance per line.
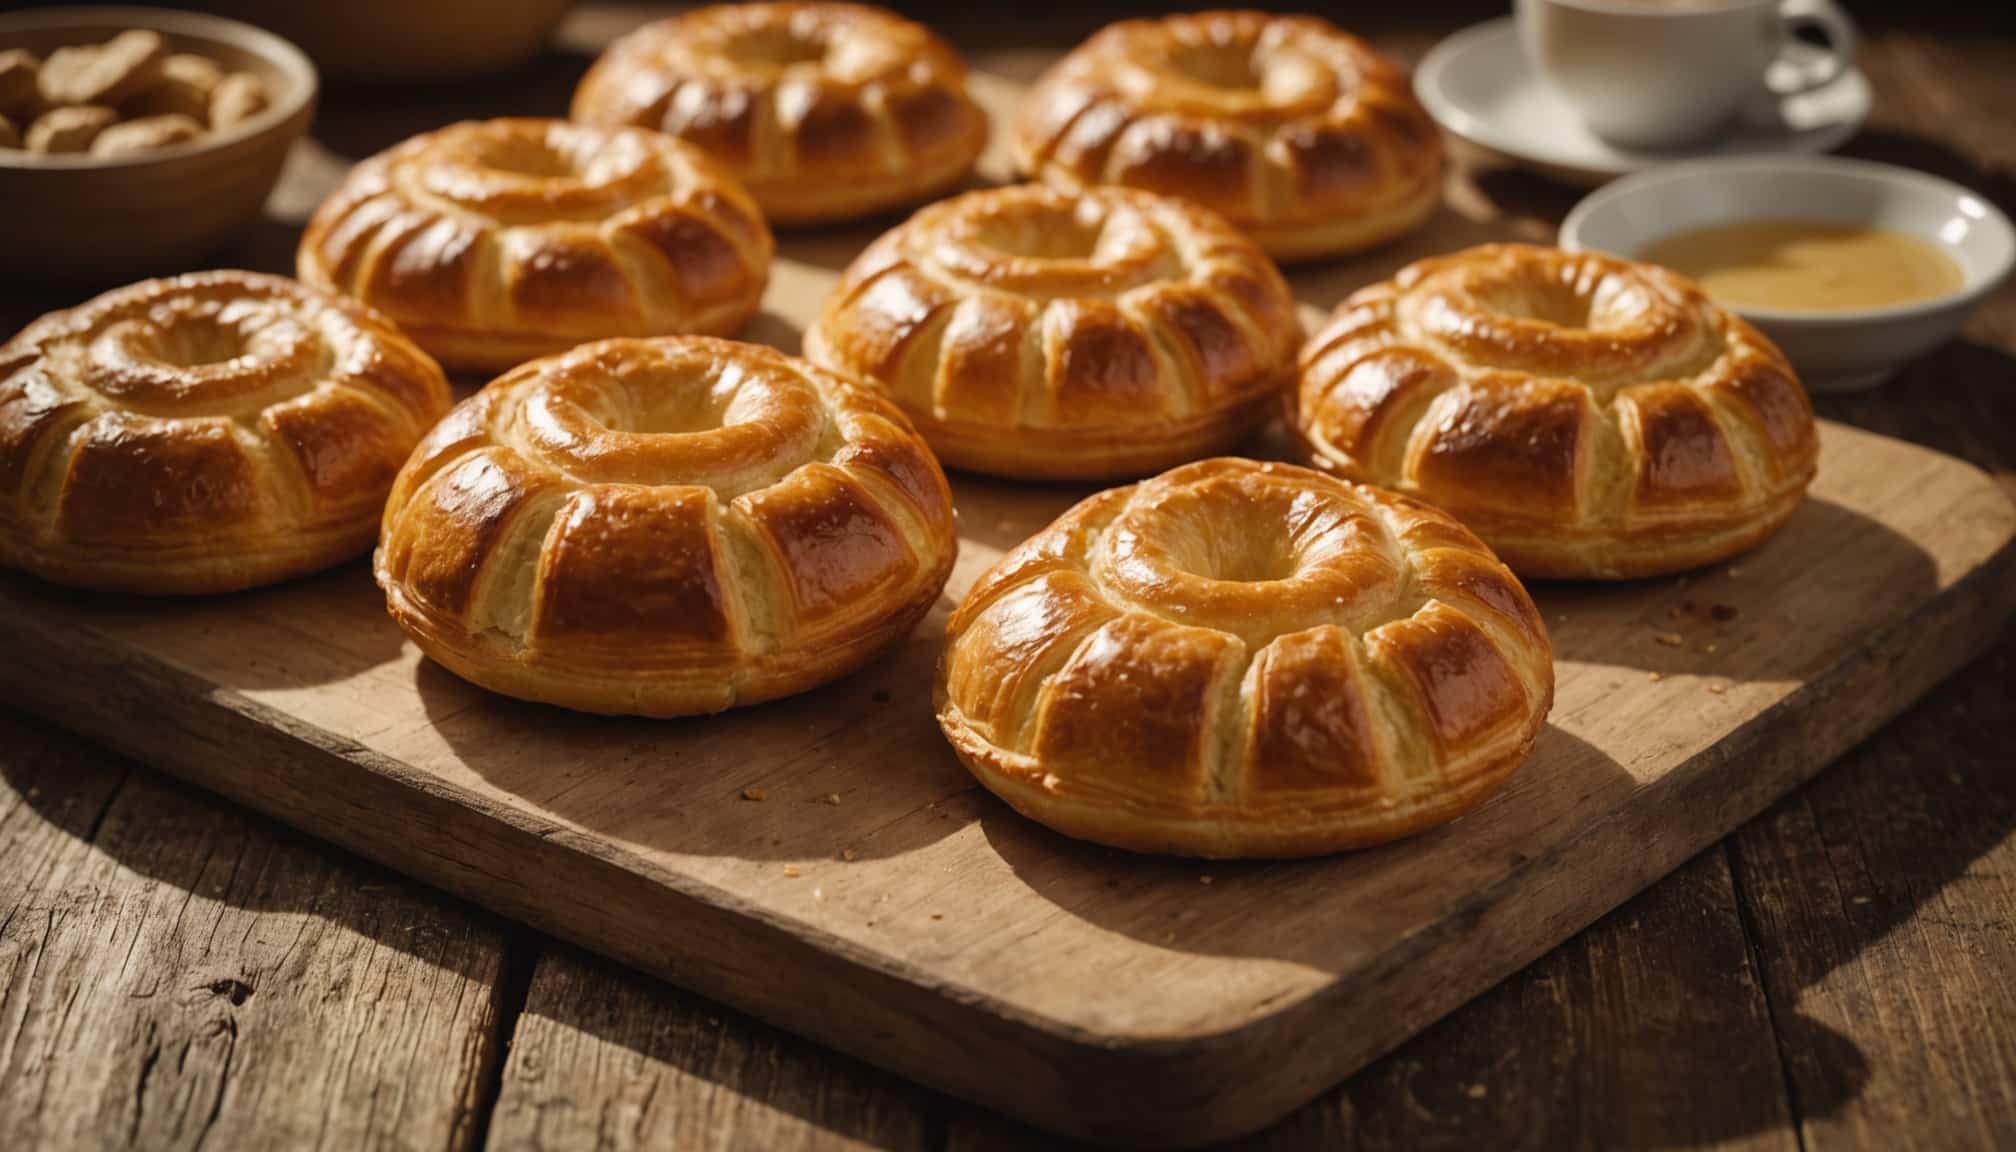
[826, 111]
[1297, 132]
[1243, 659]
[494, 242]
[664, 527]
[1589, 417]
[204, 433]
[1036, 334]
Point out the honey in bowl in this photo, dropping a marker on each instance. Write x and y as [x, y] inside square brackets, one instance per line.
[1808, 265]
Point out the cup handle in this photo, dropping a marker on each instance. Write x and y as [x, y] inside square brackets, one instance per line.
[1789, 74]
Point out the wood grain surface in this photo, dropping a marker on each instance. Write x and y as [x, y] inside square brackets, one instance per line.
[1494, 1074]
[173, 975]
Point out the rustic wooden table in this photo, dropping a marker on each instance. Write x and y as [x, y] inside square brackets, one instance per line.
[1841, 972]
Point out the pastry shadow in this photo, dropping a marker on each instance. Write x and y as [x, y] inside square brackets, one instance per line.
[1323, 284]
[1001, 514]
[359, 119]
[338, 640]
[1317, 905]
[789, 779]
[772, 327]
[1725, 621]
[322, 628]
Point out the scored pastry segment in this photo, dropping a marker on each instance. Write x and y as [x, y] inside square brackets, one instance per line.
[1589, 417]
[1034, 334]
[826, 111]
[665, 527]
[1245, 659]
[204, 433]
[497, 241]
[1297, 132]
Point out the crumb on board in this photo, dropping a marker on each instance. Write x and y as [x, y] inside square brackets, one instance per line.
[1718, 689]
[1709, 649]
[1735, 570]
[1476, 1091]
[756, 794]
[1203, 879]
[1670, 639]
[832, 798]
[937, 915]
[791, 871]
[1655, 677]
[849, 855]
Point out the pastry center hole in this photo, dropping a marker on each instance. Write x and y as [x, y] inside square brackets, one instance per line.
[527, 157]
[1056, 233]
[1238, 550]
[777, 47]
[199, 341]
[1548, 301]
[1228, 66]
[681, 404]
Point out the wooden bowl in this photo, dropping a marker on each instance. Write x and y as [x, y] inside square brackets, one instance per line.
[406, 40]
[102, 221]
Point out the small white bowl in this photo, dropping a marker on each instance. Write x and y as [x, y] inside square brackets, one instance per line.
[1833, 351]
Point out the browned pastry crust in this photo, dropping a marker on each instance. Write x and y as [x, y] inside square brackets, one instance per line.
[1242, 659]
[665, 527]
[1589, 417]
[204, 433]
[826, 111]
[1040, 335]
[1297, 132]
[494, 242]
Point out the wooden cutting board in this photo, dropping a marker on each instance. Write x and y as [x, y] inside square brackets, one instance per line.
[876, 900]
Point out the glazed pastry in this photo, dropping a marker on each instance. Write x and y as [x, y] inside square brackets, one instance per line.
[665, 527]
[494, 242]
[825, 111]
[204, 433]
[1293, 130]
[1039, 335]
[1242, 659]
[1589, 417]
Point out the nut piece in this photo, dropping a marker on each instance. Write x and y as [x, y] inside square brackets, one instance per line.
[238, 98]
[145, 135]
[186, 83]
[19, 89]
[108, 73]
[69, 129]
[10, 136]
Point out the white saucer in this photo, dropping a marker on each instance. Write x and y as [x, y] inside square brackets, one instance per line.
[1478, 85]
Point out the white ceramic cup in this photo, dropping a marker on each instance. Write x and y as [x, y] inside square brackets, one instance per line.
[1666, 73]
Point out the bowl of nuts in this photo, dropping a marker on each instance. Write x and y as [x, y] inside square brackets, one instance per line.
[138, 140]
